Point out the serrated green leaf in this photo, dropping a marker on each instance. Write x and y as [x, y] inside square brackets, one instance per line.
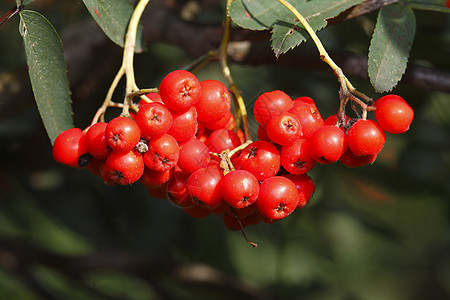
[113, 16]
[390, 46]
[47, 71]
[287, 32]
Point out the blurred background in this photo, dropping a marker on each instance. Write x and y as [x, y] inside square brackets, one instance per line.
[375, 232]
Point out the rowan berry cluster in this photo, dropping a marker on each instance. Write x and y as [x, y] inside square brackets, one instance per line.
[183, 145]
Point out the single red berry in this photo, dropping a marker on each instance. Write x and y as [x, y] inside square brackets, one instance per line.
[214, 101]
[222, 139]
[227, 122]
[122, 134]
[296, 158]
[305, 187]
[327, 144]
[152, 178]
[278, 198]
[193, 155]
[284, 129]
[124, 167]
[69, 146]
[97, 144]
[240, 188]
[179, 90]
[393, 114]
[203, 186]
[365, 137]
[163, 153]
[351, 160]
[308, 115]
[184, 125]
[154, 119]
[177, 190]
[271, 104]
[260, 158]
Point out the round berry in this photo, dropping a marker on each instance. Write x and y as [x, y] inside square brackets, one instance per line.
[278, 197]
[308, 116]
[284, 129]
[96, 142]
[184, 125]
[124, 167]
[222, 139]
[203, 186]
[179, 90]
[327, 144]
[271, 104]
[152, 178]
[69, 146]
[214, 101]
[193, 155]
[305, 187]
[122, 134]
[260, 158]
[154, 119]
[351, 160]
[162, 154]
[365, 137]
[296, 158]
[393, 114]
[240, 188]
[177, 190]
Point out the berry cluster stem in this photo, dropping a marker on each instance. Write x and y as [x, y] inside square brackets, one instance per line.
[347, 90]
[126, 69]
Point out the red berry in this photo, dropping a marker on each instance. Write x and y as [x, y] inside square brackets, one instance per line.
[96, 143]
[227, 122]
[296, 158]
[240, 188]
[271, 104]
[152, 178]
[278, 197]
[124, 167]
[365, 137]
[193, 155]
[69, 146]
[393, 114]
[154, 119]
[214, 101]
[185, 125]
[162, 154]
[122, 134]
[260, 158]
[179, 90]
[203, 186]
[351, 160]
[222, 139]
[305, 187]
[284, 129]
[327, 144]
[177, 190]
[308, 116]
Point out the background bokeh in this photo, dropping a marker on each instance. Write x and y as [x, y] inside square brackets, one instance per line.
[376, 232]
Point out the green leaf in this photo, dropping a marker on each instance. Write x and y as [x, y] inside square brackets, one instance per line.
[113, 16]
[47, 71]
[287, 33]
[390, 46]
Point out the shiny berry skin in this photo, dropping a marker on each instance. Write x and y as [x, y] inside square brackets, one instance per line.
[351, 160]
[177, 190]
[284, 129]
[327, 144]
[260, 158]
[193, 155]
[296, 158]
[365, 137]
[162, 154]
[240, 188]
[179, 90]
[271, 104]
[203, 186]
[69, 146]
[154, 119]
[278, 197]
[122, 134]
[97, 146]
[393, 114]
[308, 116]
[184, 125]
[124, 167]
[222, 139]
[214, 101]
[305, 187]
[227, 122]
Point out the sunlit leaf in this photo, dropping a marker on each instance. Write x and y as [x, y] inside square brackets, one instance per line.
[287, 32]
[47, 71]
[390, 46]
[113, 16]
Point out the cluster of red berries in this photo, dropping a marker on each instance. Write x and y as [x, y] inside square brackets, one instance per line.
[184, 145]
